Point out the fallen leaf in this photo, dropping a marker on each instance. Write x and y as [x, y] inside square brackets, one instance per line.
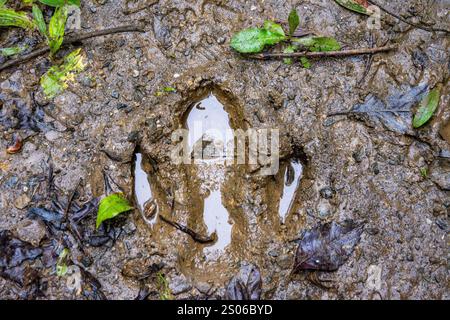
[327, 246]
[393, 112]
[246, 285]
[14, 251]
[111, 206]
[427, 107]
[359, 6]
[15, 146]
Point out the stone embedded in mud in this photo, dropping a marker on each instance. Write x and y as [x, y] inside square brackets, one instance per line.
[31, 231]
[22, 201]
[326, 192]
[179, 284]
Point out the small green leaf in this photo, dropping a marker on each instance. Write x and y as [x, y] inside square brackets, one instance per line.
[424, 172]
[359, 6]
[289, 49]
[253, 40]
[12, 51]
[169, 89]
[305, 62]
[39, 20]
[319, 44]
[60, 3]
[2, 2]
[112, 206]
[11, 18]
[427, 107]
[163, 286]
[274, 28]
[61, 264]
[56, 28]
[56, 79]
[294, 21]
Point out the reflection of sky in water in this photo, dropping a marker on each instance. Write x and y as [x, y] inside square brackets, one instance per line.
[209, 121]
[208, 118]
[288, 195]
[216, 219]
[142, 189]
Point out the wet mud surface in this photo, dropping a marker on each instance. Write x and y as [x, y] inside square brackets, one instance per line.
[339, 159]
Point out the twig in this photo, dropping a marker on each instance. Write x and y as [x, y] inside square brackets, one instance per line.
[70, 199]
[70, 40]
[351, 112]
[194, 235]
[343, 53]
[429, 29]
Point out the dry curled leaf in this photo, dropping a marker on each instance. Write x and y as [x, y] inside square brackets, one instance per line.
[327, 246]
[16, 145]
[246, 285]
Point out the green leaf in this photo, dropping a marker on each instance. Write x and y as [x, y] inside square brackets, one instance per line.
[12, 51]
[305, 62]
[39, 20]
[359, 6]
[274, 28]
[424, 172]
[289, 49]
[61, 264]
[427, 107]
[163, 286]
[56, 79]
[2, 2]
[11, 18]
[112, 206]
[169, 89]
[60, 3]
[318, 44]
[254, 40]
[294, 21]
[56, 28]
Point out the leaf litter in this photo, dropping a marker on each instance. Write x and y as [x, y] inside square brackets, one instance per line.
[327, 246]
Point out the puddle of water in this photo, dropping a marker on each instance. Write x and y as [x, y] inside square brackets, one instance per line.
[142, 189]
[291, 182]
[216, 219]
[210, 134]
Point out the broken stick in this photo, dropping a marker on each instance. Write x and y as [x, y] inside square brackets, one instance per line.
[343, 53]
[70, 40]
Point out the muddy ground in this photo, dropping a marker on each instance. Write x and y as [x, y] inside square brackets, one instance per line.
[361, 167]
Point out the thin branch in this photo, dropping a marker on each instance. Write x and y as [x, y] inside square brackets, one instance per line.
[429, 29]
[194, 235]
[343, 53]
[70, 40]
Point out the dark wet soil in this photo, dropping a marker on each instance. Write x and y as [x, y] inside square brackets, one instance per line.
[363, 166]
